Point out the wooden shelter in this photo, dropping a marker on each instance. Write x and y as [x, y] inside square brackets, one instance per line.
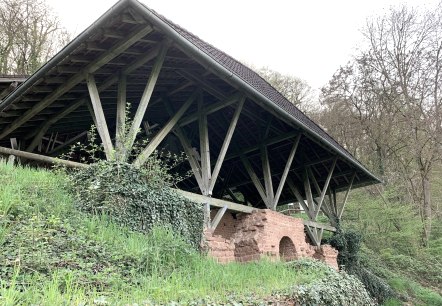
[241, 136]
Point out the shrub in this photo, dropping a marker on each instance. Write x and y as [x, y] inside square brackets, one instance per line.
[135, 198]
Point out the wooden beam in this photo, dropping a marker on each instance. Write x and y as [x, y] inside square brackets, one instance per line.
[103, 131]
[42, 158]
[219, 215]
[211, 109]
[159, 137]
[266, 142]
[74, 106]
[120, 129]
[14, 145]
[341, 210]
[326, 184]
[313, 234]
[254, 178]
[197, 198]
[226, 144]
[147, 94]
[206, 170]
[286, 171]
[267, 174]
[77, 78]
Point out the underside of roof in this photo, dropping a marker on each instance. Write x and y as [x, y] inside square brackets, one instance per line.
[57, 97]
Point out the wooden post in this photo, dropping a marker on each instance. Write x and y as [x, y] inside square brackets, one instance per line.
[226, 144]
[206, 170]
[267, 177]
[99, 116]
[121, 117]
[147, 94]
[219, 215]
[14, 145]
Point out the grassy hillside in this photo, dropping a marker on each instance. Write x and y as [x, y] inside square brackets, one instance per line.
[53, 254]
[392, 235]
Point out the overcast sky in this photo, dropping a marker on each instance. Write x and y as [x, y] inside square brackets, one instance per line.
[309, 39]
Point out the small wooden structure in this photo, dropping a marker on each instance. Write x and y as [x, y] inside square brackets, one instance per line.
[246, 144]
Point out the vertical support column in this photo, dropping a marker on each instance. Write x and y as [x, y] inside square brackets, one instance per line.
[121, 117]
[206, 169]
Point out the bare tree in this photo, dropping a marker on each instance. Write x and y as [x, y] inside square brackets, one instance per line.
[296, 90]
[390, 96]
[29, 35]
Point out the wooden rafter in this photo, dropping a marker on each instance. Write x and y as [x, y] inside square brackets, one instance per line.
[77, 78]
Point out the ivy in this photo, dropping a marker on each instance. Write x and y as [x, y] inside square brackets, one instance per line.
[136, 198]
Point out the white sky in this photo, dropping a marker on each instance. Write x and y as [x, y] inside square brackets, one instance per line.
[309, 39]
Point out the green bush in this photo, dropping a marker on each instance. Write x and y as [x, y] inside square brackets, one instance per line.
[130, 197]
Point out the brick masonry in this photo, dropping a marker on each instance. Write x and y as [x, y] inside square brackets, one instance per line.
[247, 237]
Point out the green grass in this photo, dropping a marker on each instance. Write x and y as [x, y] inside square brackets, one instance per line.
[52, 254]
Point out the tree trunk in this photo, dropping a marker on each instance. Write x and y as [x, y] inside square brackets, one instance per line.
[426, 195]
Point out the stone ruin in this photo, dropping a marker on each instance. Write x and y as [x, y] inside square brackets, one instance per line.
[263, 233]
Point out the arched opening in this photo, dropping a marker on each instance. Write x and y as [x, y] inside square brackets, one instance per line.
[287, 249]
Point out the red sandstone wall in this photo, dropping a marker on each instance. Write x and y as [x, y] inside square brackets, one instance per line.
[251, 236]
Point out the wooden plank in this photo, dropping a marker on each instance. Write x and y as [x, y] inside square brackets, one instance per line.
[197, 198]
[286, 171]
[267, 177]
[145, 98]
[77, 78]
[219, 215]
[255, 179]
[74, 106]
[319, 225]
[341, 210]
[226, 144]
[159, 137]
[103, 131]
[206, 170]
[326, 184]
[42, 158]
[121, 116]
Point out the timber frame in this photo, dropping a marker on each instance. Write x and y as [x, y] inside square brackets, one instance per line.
[246, 144]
